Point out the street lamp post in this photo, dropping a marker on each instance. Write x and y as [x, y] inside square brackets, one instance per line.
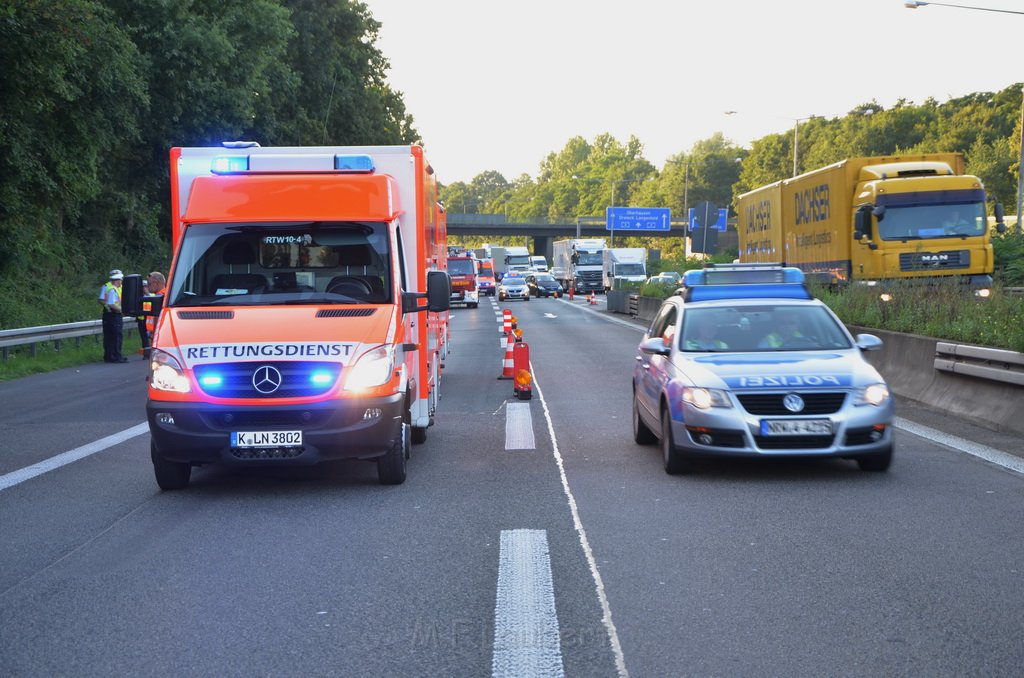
[796, 138]
[915, 4]
[796, 134]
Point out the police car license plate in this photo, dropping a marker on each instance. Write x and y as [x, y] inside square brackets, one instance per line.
[795, 427]
[266, 438]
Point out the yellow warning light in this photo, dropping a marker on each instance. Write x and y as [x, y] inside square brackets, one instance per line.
[519, 334]
[524, 378]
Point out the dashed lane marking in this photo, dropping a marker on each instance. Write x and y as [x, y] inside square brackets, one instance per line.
[526, 636]
[519, 427]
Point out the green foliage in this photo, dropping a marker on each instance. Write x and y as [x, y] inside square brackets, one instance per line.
[97, 91]
[947, 311]
[1008, 252]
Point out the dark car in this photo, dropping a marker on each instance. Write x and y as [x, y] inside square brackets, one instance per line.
[543, 285]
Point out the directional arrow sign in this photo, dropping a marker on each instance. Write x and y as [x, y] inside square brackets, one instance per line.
[638, 218]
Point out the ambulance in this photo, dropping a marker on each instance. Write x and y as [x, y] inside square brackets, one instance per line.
[306, 312]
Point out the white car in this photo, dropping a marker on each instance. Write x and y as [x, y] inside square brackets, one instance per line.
[513, 286]
[743, 362]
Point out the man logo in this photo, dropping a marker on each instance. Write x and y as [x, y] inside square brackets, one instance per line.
[266, 379]
[793, 403]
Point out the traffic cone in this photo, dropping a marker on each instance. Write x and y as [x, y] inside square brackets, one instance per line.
[507, 363]
[591, 300]
[506, 321]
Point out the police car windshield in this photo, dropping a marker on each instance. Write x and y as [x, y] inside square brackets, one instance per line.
[756, 328]
[266, 264]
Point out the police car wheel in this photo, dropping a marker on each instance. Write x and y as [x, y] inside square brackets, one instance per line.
[677, 462]
[391, 467]
[878, 462]
[641, 434]
[170, 475]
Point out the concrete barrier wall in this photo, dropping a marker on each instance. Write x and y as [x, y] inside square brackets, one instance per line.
[906, 362]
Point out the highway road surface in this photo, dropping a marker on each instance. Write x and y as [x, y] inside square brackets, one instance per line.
[532, 537]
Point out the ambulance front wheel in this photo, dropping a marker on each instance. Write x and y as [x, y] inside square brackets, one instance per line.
[391, 467]
[170, 475]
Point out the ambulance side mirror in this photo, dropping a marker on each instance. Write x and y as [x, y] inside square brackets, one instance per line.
[438, 295]
[131, 295]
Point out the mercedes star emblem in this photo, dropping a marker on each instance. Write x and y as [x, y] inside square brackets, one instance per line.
[266, 379]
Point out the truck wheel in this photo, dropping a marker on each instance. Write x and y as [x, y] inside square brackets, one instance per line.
[170, 475]
[677, 462]
[391, 467]
[472, 305]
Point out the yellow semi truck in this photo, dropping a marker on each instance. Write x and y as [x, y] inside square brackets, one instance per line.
[873, 219]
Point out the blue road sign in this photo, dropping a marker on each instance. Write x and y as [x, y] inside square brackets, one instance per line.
[638, 218]
[722, 224]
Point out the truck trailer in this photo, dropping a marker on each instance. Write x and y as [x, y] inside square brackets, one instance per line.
[874, 219]
[577, 262]
[623, 264]
[306, 310]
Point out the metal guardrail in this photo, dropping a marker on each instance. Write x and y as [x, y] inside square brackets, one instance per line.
[31, 336]
[977, 361]
[1014, 291]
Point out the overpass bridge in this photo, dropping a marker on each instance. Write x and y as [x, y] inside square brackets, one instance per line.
[543, 231]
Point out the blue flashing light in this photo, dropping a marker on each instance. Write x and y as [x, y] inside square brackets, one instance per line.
[228, 164]
[770, 291]
[211, 381]
[321, 378]
[354, 163]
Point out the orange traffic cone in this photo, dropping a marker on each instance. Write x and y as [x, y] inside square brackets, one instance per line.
[507, 363]
[591, 300]
[506, 321]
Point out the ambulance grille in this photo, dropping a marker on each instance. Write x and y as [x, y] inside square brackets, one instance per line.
[771, 403]
[283, 379]
[206, 315]
[345, 312]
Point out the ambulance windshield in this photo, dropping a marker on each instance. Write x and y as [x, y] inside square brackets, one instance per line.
[282, 263]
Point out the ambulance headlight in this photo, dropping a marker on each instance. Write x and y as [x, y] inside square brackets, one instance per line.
[373, 368]
[875, 394]
[166, 373]
[704, 398]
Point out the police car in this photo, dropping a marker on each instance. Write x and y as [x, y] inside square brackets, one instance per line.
[744, 362]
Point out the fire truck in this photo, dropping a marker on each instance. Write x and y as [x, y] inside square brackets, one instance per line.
[306, 310]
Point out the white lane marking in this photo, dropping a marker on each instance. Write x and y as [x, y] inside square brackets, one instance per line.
[519, 427]
[550, 315]
[606, 610]
[526, 636]
[990, 454]
[21, 475]
[603, 316]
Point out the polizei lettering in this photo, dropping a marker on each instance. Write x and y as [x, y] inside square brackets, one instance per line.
[197, 354]
[788, 380]
[812, 204]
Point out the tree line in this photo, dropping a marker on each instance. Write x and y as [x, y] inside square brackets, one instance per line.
[584, 176]
[95, 93]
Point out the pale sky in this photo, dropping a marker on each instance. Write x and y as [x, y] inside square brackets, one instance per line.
[500, 85]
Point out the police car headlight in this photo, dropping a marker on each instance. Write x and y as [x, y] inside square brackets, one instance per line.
[166, 373]
[876, 394]
[704, 398]
[372, 369]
